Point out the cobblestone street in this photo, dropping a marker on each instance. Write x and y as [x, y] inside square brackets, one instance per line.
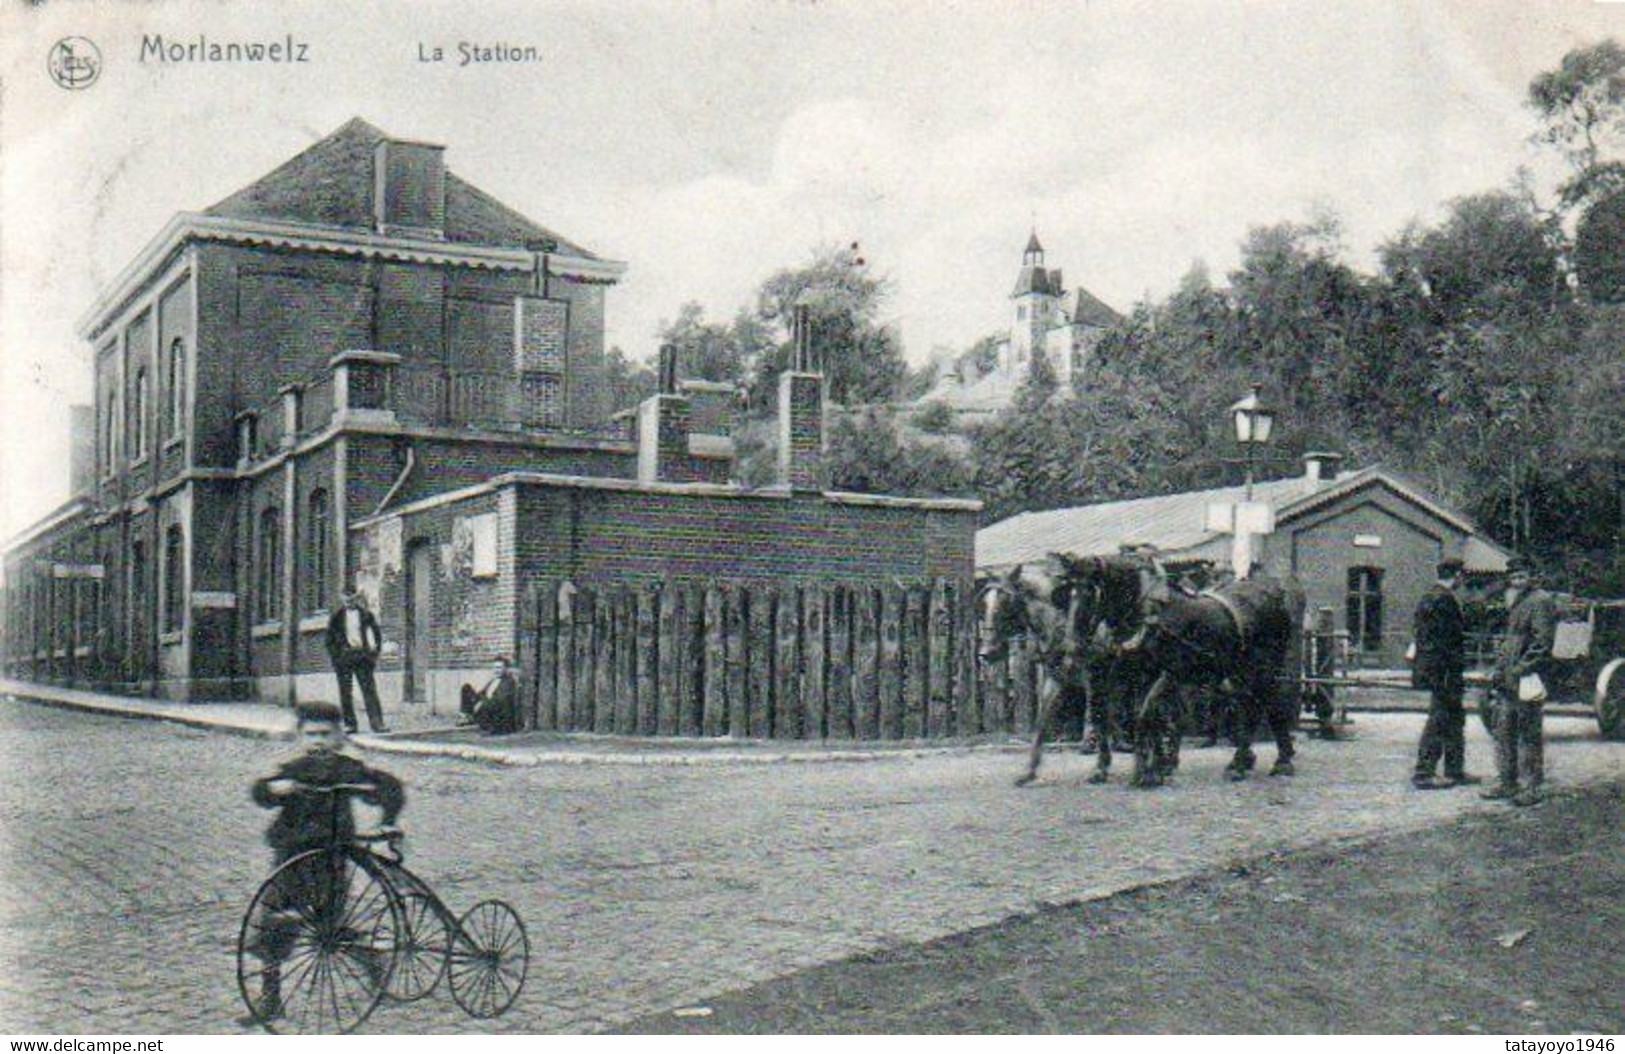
[128, 850]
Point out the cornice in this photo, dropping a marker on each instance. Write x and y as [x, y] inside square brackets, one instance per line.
[349, 241]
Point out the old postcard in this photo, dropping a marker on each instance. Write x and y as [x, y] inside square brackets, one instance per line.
[812, 517]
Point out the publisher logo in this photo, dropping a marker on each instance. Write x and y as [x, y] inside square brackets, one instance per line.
[74, 63]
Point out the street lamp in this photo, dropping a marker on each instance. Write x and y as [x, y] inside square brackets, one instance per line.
[1254, 421]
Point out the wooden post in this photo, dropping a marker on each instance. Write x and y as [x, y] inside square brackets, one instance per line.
[586, 610]
[569, 602]
[916, 603]
[714, 716]
[838, 691]
[625, 632]
[786, 680]
[813, 662]
[690, 661]
[891, 665]
[648, 692]
[547, 654]
[939, 717]
[760, 649]
[669, 659]
[525, 654]
[967, 716]
[865, 649]
[735, 628]
[603, 663]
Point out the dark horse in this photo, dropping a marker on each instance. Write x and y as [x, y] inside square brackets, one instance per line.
[1086, 672]
[1242, 637]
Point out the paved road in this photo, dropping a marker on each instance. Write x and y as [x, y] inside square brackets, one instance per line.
[128, 850]
[1510, 922]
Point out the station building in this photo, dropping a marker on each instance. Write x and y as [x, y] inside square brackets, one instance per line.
[363, 371]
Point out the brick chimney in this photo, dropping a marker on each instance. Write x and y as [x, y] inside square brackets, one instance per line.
[409, 188]
[801, 413]
[663, 427]
[81, 448]
[1320, 466]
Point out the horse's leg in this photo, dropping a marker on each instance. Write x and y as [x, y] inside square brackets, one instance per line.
[1243, 723]
[1147, 732]
[1047, 710]
[1281, 719]
[1099, 703]
[1172, 730]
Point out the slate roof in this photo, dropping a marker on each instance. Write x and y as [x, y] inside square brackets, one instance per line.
[1090, 310]
[331, 184]
[1037, 280]
[1175, 523]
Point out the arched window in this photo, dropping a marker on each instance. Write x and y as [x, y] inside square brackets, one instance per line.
[177, 387]
[268, 584]
[138, 415]
[318, 531]
[174, 577]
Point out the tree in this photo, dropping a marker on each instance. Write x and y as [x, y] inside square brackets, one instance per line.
[862, 358]
[1582, 106]
[1599, 249]
[706, 350]
[629, 382]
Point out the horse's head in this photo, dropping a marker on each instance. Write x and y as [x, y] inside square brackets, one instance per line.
[1108, 594]
[1006, 611]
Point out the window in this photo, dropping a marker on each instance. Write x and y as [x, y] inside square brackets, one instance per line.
[138, 415]
[138, 586]
[318, 530]
[177, 387]
[1365, 607]
[268, 546]
[174, 578]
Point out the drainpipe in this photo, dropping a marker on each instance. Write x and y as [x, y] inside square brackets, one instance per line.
[400, 480]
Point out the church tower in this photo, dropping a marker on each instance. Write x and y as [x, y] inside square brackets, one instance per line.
[1037, 298]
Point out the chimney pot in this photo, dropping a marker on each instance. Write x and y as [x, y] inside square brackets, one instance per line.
[1320, 466]
[409, 188]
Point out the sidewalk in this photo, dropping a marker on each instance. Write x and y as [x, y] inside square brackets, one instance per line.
[432, 735]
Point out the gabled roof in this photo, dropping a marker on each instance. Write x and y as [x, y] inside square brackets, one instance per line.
[1090, 310]
[1176, 523]
[1032, 243]
[331, 184]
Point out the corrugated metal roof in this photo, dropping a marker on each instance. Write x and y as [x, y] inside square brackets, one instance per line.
[1176, 523]
[1171, 522]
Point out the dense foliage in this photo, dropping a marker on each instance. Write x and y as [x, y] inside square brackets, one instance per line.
[1484, 358]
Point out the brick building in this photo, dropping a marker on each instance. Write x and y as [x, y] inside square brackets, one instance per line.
[1364, 544]
[363, 370]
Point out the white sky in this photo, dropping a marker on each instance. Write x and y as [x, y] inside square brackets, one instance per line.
[708, 144]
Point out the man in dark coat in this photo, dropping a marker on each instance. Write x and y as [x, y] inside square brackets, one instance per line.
[495, 707]
[1525, 655]
[1441, 657]
[353, 643]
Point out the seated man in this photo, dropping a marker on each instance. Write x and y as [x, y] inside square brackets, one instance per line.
[495, 708]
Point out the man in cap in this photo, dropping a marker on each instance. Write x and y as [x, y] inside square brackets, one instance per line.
[1441, 658]
[1523, 669]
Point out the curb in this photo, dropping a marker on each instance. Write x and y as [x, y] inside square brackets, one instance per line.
[72, 699]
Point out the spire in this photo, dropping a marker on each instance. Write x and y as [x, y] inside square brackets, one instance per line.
[1034, 254]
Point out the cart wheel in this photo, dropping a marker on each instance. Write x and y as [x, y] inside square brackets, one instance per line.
[317, 945]
[489, 959]
[1610, 701]
[424, 951]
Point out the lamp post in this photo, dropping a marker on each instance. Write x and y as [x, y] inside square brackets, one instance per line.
[1254, 422]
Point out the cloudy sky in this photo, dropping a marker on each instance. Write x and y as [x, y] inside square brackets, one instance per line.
[707, 144]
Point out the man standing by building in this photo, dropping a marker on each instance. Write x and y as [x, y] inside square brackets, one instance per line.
[353, 643]
[1440, 661]
[1523, 670]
